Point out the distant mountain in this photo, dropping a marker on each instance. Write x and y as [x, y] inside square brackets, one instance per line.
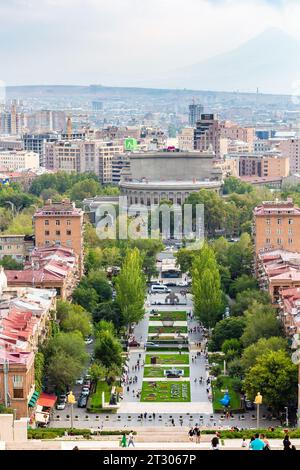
[269, 62]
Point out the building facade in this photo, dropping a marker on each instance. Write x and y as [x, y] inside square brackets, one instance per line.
[277, 226]
[60, 224]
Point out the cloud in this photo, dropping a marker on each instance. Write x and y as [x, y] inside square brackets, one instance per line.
[100, 41]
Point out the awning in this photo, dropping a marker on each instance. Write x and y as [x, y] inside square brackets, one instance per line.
[33, 399]
[46, 400]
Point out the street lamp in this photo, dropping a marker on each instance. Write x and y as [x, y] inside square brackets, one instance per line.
[71, 401]
[286, 416]
[258, 401]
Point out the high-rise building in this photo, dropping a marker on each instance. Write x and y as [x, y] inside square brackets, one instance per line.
[195, 111]
[291, 148]
[60, 223]
[208, 135]
[36, 143]
[277, 226]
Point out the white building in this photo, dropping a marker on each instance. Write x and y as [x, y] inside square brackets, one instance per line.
[12, 160]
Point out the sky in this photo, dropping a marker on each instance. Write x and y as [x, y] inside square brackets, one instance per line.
[118, 42]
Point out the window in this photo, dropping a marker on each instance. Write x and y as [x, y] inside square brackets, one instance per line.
[291, 221]
[69, 232]
[268, 221]
[57, 242]
[47, 233]
[279, 241]
[290, 231]
[57, 222]
[279, 231]
[268, 231]
[46, 222]
[279, 221]
[18, 381]
[47, 242]
[290, 241]
[68, 222]
[18, 393]
[69, 242]
[268, 241]
[57, 232]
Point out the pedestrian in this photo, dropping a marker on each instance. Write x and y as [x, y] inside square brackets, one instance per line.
[215, 443]
[153, 415]
[265, 441]
[191, 434]
[124, 440]
[145, 415]
[128, 388]
[244, 443]
[257, 443]
[197, 433]
[131, 439]
[172, 422]
[195, 380]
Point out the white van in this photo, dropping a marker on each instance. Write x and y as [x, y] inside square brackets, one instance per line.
[159, 288]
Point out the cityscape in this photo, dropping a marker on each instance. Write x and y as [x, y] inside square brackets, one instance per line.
[150, 236]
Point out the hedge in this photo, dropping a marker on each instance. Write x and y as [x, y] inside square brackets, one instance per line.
[278, 433]
[52, 433]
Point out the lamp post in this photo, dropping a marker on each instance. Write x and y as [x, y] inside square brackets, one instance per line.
[71, 401]
[286, 416]
[258, 402]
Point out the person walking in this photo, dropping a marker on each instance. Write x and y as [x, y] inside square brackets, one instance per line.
[124, 440]
[131, 439]
[197, 433]
[191, 435]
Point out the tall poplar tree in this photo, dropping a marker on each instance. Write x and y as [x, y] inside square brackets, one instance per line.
[131, 287]
[206, 287]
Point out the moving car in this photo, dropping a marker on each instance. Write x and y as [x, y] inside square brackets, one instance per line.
[79, 381]
[151, 344]
[159, 288]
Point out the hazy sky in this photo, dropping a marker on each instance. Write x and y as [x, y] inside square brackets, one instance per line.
[112, 41]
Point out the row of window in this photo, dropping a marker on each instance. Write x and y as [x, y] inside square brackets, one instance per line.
[279, 241]
[279, 231]
[57, 232]
[279, 221]
[58, 242]
[57, 222]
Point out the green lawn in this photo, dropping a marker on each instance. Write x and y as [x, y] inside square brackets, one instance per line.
[159, 371]
[95, 400]
[167, 329]
[218, 395]
[166, 391]
[168, 358]
[179, 315]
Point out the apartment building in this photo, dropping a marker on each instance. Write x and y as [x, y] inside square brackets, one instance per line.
[291, 149]
[11, 160]
[277, 226]
[271, 164]
[186, 139]
[60, 224]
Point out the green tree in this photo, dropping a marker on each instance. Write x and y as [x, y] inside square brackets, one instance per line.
[109, 311]
[39, 365]
[214, 209]
[83, 189]
[240, 256]
[63, 370]
[78, 319]
[86, 297]
[108, 349]
[8, 262]
[130, 288]
[97, 372]
[70, 344]
[246, 298]
[235, 185]
[185, 259]
[228, 328]
[206, 287]
[261, 322]
[260, 348]
[242, 283]
[275, 377]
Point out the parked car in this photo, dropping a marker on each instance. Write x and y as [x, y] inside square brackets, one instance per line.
[87, 383]
[79, 381]
[151, 344]
[249, 405]
[85, 390]
[182, 284]
[60, 405]
[171, 284]
[82, 401]
[88, 340]
[63, 398]
[133, 344]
